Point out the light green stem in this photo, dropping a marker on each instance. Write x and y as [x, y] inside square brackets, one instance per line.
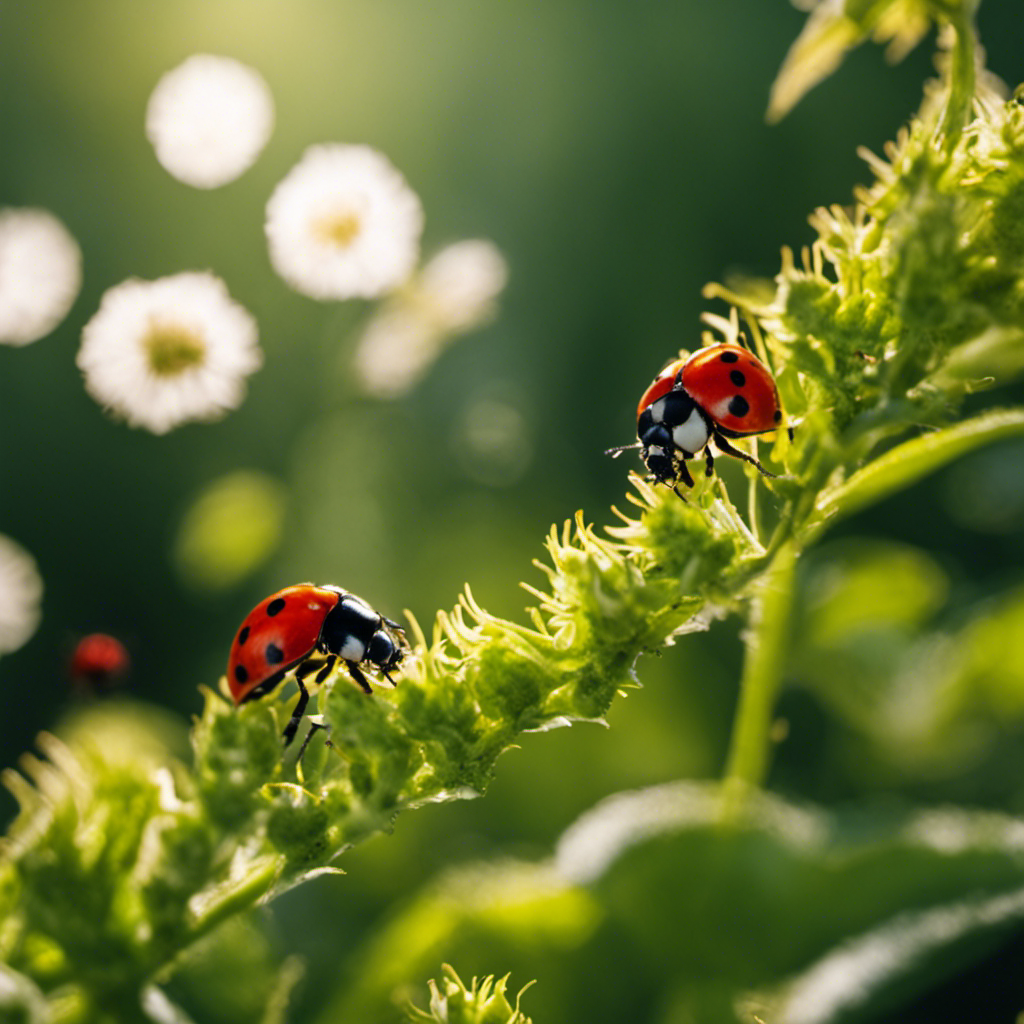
[959, 106]
[767, 640]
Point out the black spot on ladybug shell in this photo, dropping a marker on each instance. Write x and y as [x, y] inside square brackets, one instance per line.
[275, 606]
[274, 654]
[241, 675]
[778, 415]
[729, 357]
[736, 376]
[243, 635]
[738, 406]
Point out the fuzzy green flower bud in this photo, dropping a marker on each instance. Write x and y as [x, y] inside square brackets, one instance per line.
[482, 1002]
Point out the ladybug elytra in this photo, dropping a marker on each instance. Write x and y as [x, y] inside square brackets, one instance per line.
[305, 629]
[719, 392]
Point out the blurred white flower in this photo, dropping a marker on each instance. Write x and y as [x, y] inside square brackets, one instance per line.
[161, 353]
[40, 274]
[344, 224]
[459, 286]
[394, 351]
[208, 119]
[456, 291]
[21, 592]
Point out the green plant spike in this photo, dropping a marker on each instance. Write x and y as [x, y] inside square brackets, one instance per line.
[483, 1001]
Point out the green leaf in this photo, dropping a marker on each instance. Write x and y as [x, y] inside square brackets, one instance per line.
[857, 639]
[990, 666]
[747, 906]
[996, 356]
[233, 976]
[833, 29]
[511, 910]
[872, 977]
[904, 465]
[930, 705]
[857, 587]
[21, 1002]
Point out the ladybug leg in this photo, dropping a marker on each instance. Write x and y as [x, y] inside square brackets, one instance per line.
[300, 710]
[358, 676]
[326, 670]
[709, 462]
[306, 668]
[728, 449]
[313, 728]
[683, 473]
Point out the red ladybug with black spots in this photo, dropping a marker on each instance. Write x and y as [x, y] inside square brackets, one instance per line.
[98, 663]
[719, 392]
[306, 629]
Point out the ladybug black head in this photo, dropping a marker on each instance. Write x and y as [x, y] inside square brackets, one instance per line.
[657, 435]
[383, 650]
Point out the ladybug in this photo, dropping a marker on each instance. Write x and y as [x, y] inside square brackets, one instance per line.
[719, 392]
[98, 662]
[306, 629]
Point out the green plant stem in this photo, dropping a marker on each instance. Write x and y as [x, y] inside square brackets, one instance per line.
[766, 642]
[959, 106]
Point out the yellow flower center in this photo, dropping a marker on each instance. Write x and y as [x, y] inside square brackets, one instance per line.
[339, 229]
[173, 349]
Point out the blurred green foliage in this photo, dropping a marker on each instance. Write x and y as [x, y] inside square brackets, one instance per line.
[230, 530]
[613, 153]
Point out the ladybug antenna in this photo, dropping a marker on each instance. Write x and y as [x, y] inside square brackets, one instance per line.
[616, 452]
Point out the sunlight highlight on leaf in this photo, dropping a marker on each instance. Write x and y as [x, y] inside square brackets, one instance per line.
[857, 973]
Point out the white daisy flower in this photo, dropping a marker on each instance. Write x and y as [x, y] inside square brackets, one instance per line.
[21, 593]
[161, 353]
[454, 292]
[40, 274]
[208, 119]
[343, 224]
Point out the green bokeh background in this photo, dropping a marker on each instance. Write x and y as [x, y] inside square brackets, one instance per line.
[617, 154]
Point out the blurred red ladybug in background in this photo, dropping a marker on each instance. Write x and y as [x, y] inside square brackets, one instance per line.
[99, 663]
